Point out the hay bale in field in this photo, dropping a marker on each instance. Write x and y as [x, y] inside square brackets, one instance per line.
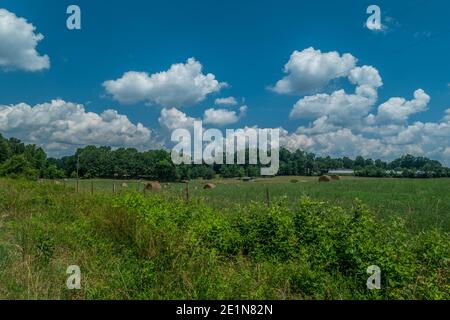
[124, 185]
[57, 182]
[324, 179]
[209, 186]
[335, 177]
[153, 186]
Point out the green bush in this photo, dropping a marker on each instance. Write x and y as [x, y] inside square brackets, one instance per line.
[18, 167]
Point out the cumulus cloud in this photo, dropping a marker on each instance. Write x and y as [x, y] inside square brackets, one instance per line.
[230, 101]
[426, 139]
[223, 117]
[18, 42]
[339, 107]
[385, 141]
[172, 119]
[447, 115]
[365, 76]
[181, 85]
[310, 70]
[373, 139]
[344, 124]
[60, 127]
[399, 109]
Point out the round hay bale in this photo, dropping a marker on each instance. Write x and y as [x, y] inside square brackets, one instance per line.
[57, 182]
[209, 186]
[324, 179]
[335, 177]
[152, 186]
[124, 185]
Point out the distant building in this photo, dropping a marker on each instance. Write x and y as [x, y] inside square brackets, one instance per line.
[341, 172]
[394, 172]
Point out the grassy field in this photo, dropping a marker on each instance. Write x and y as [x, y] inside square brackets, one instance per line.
[314, 241]
[423, 203]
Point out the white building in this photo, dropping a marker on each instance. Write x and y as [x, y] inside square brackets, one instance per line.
[341, 172]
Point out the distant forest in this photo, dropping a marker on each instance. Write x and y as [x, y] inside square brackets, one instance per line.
[18, 160]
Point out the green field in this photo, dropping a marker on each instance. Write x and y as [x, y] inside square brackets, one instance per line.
[310, 241]
[424, 203]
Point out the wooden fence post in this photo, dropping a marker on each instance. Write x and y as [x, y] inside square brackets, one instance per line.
[268, 196]
[92, 187]
[187, 191]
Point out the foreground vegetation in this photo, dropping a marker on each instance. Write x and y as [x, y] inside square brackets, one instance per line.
[153, 246]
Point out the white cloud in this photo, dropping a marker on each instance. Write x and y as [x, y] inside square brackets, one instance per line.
[447, 115]
[426, 139]
[310, 70]
[339, 107]
[181, 85]
[230, 101]
[385, 141]
[18, 42]
[223, 117]
[343, 125]
[60, 127]
[320, 125]
[336, 143]
[172, 119]
[398, 110]
[365, 75]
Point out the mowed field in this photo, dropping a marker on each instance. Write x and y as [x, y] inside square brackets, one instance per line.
[423, 203]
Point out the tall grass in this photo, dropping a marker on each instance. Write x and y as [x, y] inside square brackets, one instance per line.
[135, 246]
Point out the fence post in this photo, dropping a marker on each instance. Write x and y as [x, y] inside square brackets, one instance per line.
[92, 187]
[187, 191]
[268, 196]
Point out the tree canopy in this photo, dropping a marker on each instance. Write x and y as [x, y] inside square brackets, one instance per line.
[30, 161]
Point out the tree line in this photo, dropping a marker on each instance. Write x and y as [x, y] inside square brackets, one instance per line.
[19, 160]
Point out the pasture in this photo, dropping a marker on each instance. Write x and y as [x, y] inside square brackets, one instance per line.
[423, 203]
[312, 241]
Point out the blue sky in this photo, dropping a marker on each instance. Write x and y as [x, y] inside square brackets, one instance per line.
[245, 44]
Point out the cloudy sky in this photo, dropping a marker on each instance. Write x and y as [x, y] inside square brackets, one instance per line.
[137, 70]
